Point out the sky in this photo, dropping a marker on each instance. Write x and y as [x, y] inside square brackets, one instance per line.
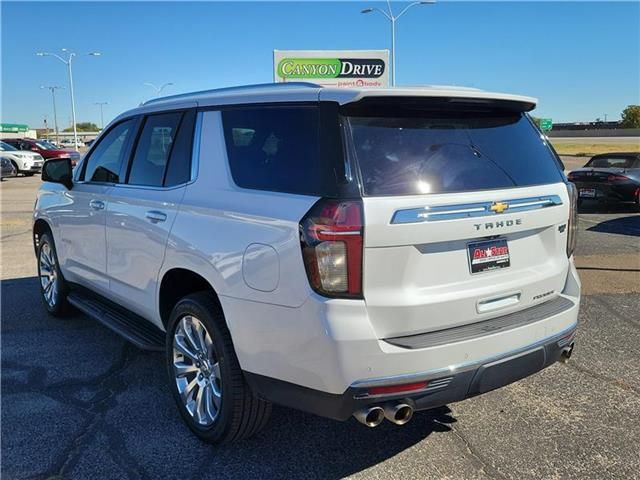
[580, 59]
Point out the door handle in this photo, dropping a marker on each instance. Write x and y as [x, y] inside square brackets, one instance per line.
[97, 204]
[156, 216]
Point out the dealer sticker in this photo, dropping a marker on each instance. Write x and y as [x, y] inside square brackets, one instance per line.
[488, 255]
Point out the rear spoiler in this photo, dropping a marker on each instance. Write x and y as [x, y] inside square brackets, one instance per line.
[410, 104]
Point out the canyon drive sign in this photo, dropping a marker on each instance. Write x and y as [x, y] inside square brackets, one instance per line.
[333, 68]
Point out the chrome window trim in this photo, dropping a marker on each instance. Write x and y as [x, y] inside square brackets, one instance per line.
[471, 210]
[195, 155]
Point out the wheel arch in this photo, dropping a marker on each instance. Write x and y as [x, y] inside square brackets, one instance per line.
[40, 227]
[176, 284]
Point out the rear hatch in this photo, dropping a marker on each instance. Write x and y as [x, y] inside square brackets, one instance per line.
[465, 210]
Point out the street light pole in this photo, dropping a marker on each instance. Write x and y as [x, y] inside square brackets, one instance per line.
[158, 89]
[67, 62]
[393, 19]
[101, 116]
[53, 89]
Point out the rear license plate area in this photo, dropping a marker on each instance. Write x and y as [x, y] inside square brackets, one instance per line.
[587, 192]
[488, 255]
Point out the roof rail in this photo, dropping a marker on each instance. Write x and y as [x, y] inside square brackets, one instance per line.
[231, 89]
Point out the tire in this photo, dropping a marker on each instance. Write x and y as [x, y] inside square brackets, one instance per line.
[229, 411]
[53, 288]
[28, 174]
[15, 165]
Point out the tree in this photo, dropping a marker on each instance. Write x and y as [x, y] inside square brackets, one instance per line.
[84, 127]
[631, 117]
[536, 120]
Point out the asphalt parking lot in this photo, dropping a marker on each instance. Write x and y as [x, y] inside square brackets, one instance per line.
[79, 402]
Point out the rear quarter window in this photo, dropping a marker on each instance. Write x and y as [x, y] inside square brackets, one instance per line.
[279, 149]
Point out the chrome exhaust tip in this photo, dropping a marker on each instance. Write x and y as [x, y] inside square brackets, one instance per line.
[567, 352]
[370, 416]
[398, 413]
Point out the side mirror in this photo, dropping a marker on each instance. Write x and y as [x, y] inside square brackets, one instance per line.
[58, 170]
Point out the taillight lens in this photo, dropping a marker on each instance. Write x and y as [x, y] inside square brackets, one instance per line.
[573, 218]
[331, 236]
[617, 178]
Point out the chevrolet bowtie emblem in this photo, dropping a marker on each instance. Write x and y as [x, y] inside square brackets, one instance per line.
[499, 207]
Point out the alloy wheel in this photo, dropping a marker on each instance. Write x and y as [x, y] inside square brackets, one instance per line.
[197, 370]
[48, 275]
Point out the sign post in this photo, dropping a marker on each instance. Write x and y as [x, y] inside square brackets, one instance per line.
[333, 68]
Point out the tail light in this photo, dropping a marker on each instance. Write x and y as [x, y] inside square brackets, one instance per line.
[331, 237]
[573, 218]
[616, 178]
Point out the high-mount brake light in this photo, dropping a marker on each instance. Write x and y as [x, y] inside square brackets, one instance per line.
[331, 237]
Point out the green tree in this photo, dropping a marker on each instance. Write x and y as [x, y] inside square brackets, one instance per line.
[536, 120]
[631, 117]
[84, 127]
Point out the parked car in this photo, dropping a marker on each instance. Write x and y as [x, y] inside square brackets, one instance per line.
[6, 168]
[609, 178]
[365, 252]
[43, 148]
[70, 143]
[27, 163]
[88, 143]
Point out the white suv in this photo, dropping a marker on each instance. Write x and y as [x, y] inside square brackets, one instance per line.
[27, 163]
[365, 252]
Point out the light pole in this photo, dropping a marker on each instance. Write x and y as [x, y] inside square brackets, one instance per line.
[53, 89]
[393, 19]
[102, 104]
[158, 89]
[67, 62]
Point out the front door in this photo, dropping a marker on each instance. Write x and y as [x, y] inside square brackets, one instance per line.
[82, 226]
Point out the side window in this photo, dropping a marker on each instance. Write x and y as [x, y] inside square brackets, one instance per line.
[153, 149]
[274, 148]
[105, 161]
[179, 169]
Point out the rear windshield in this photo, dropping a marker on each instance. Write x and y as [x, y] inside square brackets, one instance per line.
[448, 151]
[611, 162]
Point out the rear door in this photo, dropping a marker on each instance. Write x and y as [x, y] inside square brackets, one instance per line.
[141, 211]
[465, 216]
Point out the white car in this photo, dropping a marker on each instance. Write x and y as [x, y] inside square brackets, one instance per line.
[345, 252]
[27, 163]
[69, 143]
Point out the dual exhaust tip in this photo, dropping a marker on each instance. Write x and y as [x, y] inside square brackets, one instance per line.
[398, 413]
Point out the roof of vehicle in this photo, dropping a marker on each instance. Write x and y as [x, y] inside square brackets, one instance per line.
[307, 92]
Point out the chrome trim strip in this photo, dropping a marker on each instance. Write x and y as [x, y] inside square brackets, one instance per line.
[463, 367]
[197, 138]
[471, 210]
[327, 232]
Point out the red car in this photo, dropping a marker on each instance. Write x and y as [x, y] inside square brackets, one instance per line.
[44, 148]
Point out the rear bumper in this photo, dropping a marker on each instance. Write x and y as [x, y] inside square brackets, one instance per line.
[609, 193]
[323, 356]
[443, 386]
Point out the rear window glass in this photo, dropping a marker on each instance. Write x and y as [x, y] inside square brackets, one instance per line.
[442, 152]
[611, 162]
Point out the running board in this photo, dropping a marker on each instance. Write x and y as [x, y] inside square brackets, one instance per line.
[134, 328]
